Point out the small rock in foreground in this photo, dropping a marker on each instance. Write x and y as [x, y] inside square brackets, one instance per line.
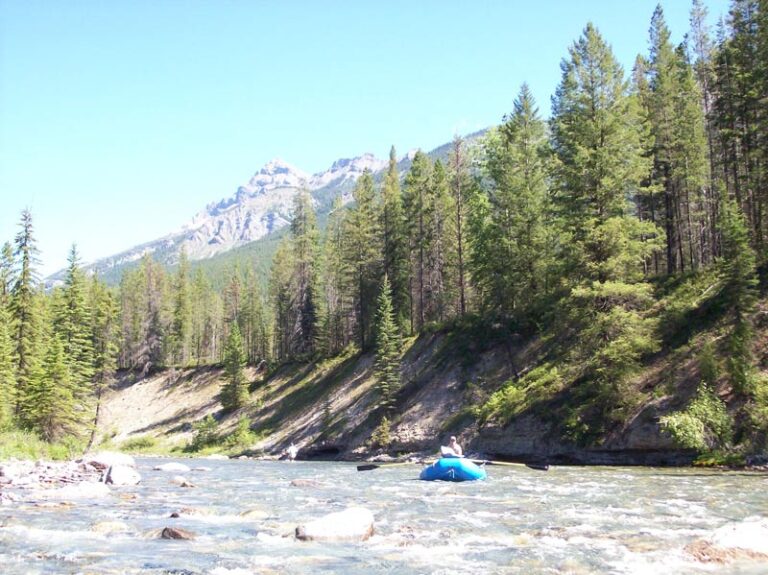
[176, 533]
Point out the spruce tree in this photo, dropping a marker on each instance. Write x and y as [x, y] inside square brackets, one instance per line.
[387, 349]
[395, 242]
[72, 325]
[597, 137]
[304, 236]
[52, 408]
[234, 393]
[362, 256]
[26, 315]
[7, 375]
[739, 288]
[181, 329]
[518, 250]
[418, 211]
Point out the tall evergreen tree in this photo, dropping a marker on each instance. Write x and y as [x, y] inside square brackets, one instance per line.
[52, 408]
[305, 245]
[181, 329]
[517, 254]
[387, 347]
[7, 375]
[234, 393]
[739, 286]
[596, 135]
[418, 210]
[25, 313]
[72, 324]
[362, 256]
[395, 242]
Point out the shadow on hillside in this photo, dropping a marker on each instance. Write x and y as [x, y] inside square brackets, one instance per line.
[312, 391]
[181, 421]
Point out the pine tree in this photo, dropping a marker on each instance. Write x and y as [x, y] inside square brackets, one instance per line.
[253, 317]
[517, 252]
[362, 256]
[25, 315]
[395, 242]
[72, 323]
[104, 331]
[597, 138]
[51, 409]
[282, 298]
[182, 312]
[462, 189]
[234, 393]
[305, 246]
[387, 348]
[339, 311]
[418, 212]
[7, 375]
[739, 287]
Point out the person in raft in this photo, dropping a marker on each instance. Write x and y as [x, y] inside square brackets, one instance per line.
[453, 449]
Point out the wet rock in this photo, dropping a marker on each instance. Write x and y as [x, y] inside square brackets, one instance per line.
[352, 524]
[108, 527]
[255, 514]
[172, 467]
[306, 483]
[176, 533]
[122, 475]
[182, 482]
[106, 459]
[746, 540]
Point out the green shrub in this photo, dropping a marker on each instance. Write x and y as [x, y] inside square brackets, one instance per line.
[704, 425]
[242, 436]
[514, 397]
[380, 436]
[140, 443]
[204, 433]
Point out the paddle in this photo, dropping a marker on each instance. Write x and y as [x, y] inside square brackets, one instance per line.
[536, 466]
[370, 466]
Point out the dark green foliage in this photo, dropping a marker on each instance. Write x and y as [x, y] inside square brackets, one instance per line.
[234, 393]
[387, 349]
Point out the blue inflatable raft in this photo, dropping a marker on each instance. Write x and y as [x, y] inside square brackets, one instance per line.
[452, 469]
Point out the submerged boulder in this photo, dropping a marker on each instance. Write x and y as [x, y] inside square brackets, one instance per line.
[122, 475]
[176, 533]
[352, 524]
[172, 467]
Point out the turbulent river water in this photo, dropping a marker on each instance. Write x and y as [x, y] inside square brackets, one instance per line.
[243, 514]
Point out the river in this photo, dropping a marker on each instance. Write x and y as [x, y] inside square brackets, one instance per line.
[565, 520]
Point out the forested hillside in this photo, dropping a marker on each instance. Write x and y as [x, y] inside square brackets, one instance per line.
[624, 235]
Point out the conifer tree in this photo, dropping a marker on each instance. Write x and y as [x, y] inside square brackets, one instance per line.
[182, 312]
[462, 189]
[253, 317]
[25, 314]
[739, 287]
[7, 375]
[395, 242]
[418, 210]
[72, 325]
[362, 256]
[339, 312]
[104, 337]
[52, 408]
[234, 393]
[597, 138]
[387, 347]
[305, 245]
[282, 298]
[516, 256]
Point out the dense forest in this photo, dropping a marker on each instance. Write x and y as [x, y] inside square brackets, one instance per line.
[642, 201]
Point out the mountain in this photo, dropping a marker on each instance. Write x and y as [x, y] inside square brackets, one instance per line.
[256, 212]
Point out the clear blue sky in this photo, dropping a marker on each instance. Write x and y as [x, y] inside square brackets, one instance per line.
[120, 120]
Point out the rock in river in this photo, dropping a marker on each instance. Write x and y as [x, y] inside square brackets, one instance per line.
[174, 467]
[352, 524]
[176, 533]
[122, 475]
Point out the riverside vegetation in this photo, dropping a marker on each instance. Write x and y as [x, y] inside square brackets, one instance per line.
[622, 237]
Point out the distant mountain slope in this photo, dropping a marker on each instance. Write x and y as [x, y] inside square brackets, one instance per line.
[234, 226]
